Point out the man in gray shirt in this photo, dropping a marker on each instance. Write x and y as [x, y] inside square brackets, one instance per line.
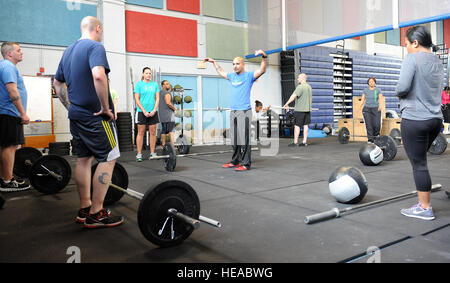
[166, 112]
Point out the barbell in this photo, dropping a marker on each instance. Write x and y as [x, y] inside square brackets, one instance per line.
[47, 174]
[336, 212]
[170, 157]
[389, 144]
[171, 201]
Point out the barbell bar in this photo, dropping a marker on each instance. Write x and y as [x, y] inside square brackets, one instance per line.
[336, 212]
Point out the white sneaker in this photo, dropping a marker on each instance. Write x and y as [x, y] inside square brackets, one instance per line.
[417, 211]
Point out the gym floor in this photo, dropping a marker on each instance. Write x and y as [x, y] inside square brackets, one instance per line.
[262, 213]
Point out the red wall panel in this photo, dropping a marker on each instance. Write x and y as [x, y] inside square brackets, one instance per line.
[155, 34]
[187, 6]
[447, 32]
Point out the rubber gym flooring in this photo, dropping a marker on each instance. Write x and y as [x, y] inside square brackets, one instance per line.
[262, 213]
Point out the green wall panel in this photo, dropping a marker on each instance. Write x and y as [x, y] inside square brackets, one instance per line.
[218, 8]
[380, 37]
[226, 42]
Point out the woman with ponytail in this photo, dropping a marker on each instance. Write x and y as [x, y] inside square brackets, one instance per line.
[419, 90]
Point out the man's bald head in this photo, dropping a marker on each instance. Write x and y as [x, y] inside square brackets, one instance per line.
[238, 65]
[89, 23]
[91, 28]
[302, 78]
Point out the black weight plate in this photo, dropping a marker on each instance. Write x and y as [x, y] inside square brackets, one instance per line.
[153, 210]
[388, 145]
[327, 129]
[119, 178]
[183, 145]
[439, 145]
[396, 135]
[169, 163]
[44, 182]
[344, 135]
[23, 154]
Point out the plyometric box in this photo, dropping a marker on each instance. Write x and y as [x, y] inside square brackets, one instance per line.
[357, 110]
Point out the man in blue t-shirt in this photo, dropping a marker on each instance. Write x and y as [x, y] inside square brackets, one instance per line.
[241, 109]
[13, 106]
[81, 84]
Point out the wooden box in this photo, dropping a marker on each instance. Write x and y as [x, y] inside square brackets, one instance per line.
[359, 130]
[347, 123]
[357, 110]
[388, 124]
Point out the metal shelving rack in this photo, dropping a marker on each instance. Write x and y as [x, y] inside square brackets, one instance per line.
[342, 84]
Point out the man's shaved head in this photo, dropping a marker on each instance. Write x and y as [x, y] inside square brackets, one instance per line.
[89, 23]
[91, 28]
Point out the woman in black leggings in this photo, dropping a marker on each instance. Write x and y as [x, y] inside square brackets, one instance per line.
[419, 89]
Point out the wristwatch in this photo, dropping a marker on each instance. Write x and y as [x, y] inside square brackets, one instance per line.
[264, 56]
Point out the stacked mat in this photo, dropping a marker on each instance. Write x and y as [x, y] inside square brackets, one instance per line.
[125, 131]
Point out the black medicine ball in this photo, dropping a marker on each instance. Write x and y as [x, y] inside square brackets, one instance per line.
[348, 185]
[371, 155]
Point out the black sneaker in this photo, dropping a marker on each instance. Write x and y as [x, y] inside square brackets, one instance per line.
[82, 213]
[19, 180]
[102, 219]
[292, 145]
[13, 186]
[302, 144]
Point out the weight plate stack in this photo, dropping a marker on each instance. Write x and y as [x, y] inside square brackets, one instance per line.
[59, 148]
[125, 131]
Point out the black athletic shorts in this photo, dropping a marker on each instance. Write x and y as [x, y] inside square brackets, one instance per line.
[142, 120]
[302, 118]
[167, 127]
[96, 138]
[11, 131]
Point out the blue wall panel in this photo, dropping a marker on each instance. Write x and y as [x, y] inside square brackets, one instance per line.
[241, 10]
[148, 3]
[216, 93]
[49, 22]
[393, 37]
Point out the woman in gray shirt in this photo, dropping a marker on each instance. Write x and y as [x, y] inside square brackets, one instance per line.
[371, 109]
[419, 89]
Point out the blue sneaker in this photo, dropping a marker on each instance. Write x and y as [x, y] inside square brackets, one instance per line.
[417, 211]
